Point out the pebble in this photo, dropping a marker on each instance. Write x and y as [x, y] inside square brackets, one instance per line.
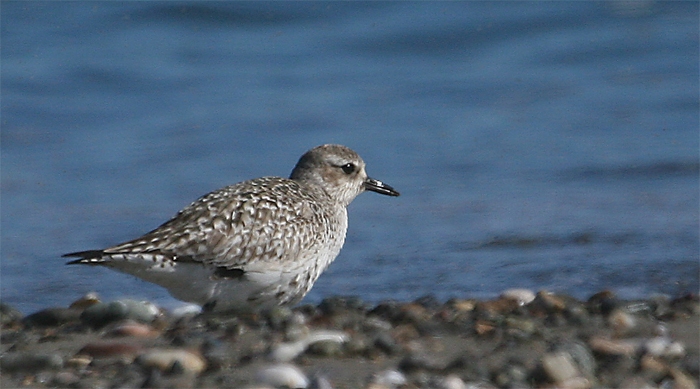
[388, 379]
[65, 379]
[282, 375]
[88, 300]
[52, 317]
[320, 381]
[102, 314]
[186, 310]
[11, 362]
[132, 328]
[287, 351]
[560, 367]
[549, 302]
[607, 346]
[521, 296]
[172, 360]
[79, 361]
[452, 381]
[637, 383]
[621, 322]
[663, 347]
[9, 315]
[111, 349]
[582, 357]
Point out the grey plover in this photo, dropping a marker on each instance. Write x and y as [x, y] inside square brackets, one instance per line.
[251, 245]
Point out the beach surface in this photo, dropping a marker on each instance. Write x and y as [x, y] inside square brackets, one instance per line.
[519, 340]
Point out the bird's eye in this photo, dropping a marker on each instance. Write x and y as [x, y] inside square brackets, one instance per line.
[348, 168]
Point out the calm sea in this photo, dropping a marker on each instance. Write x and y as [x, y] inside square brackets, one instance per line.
[546, 145]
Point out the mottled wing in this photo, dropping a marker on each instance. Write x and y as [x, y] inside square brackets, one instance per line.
[267, 221]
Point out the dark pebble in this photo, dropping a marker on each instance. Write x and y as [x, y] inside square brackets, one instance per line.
[384, 342]
[602, 302]
[9, 315]
[338, 304]
[52, 317]
[30, 362]
[428, 302]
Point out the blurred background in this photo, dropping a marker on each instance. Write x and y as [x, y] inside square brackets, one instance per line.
[545, 145]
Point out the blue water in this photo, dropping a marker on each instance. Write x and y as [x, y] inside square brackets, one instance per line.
[547, 145]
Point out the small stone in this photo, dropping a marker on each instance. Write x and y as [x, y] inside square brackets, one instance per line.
[110, 350]
[550, 302]
[462, 305]
[495, 309]
[520, 327]
[484, 327]
[602, 302]
[164, 359]
[277, 317]
[64, 379]
[413, 363]
[428, 301]
[621, 322]
[388, 379]
[102, 314]
[681, 380]
[664, 347]
[386, 310]
[30, 362]
[134, 329]
[186, 310]
[582, 357]
[376, 324]
[88, 300]
[326, 349]
[320, 381]
[560, 367]
[384, 342]
[653, 367]
[334, 305]
[575, 383]
[79, 361]
[216, 355]
[452, 381]
[613, 347]
[287, 351]
[636, 383]
[8, 315]
[282, 375]
[520, 295]
[52, 317]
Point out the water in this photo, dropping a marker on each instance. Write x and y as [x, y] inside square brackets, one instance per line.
[547, 145]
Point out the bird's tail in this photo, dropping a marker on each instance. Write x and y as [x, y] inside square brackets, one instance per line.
[90, 257]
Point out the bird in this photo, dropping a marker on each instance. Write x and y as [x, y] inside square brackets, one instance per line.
[253, 245]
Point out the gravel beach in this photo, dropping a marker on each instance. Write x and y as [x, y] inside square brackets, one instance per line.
[519, 340]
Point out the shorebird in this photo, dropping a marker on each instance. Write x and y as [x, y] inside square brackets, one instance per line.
[252, 245]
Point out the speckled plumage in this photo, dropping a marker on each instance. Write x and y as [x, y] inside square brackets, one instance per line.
[254, 244]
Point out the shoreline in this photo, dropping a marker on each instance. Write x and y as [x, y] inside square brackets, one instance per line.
[521, 339]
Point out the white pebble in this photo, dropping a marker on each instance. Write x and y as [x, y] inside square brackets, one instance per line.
[388, 379]
[452, 382]
[186, 310]
[282, 375]
[285, 352]
[663, 347]
[521, 295]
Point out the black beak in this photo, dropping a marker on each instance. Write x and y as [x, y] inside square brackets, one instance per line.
[380, 187]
